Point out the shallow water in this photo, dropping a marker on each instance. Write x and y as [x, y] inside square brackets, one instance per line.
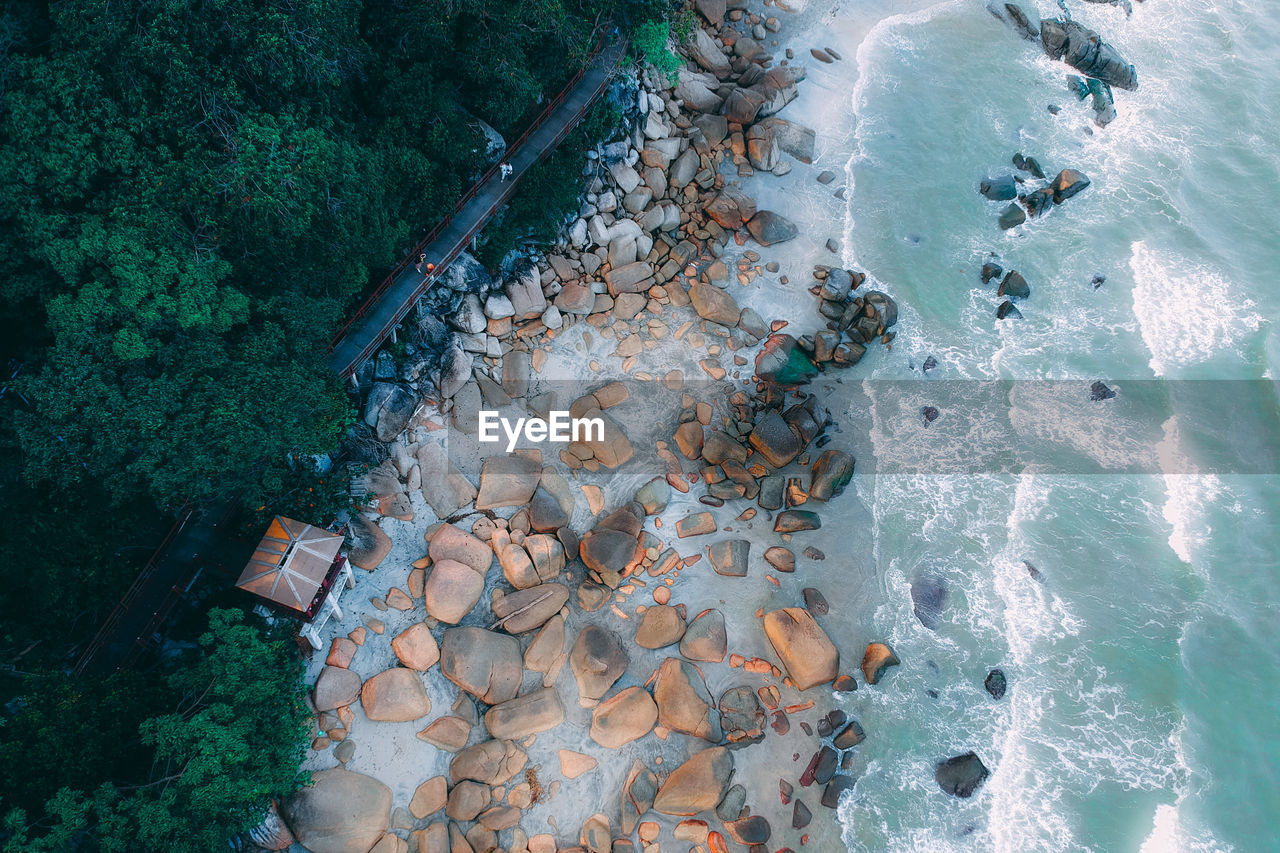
[1141, 713]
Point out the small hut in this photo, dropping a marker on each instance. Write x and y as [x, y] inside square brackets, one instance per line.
[295, 570]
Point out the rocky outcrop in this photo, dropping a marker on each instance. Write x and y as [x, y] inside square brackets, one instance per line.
[805, 650]
[339, 812]
[1085, 51]
[684, 702]
[961, 775]
[624, 717]
[697, 785]
[395, 696]
[484, 663]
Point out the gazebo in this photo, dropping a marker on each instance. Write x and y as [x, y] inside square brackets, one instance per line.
[294, 569]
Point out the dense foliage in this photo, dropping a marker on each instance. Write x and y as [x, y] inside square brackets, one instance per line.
[192, 196]
[124, 764]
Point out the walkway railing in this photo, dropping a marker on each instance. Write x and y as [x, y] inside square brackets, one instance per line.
[442, 260]
[109, 626]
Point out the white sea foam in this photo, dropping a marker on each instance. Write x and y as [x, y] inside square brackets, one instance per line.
[1187, 311]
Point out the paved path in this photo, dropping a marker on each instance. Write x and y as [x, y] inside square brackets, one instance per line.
[390, 306]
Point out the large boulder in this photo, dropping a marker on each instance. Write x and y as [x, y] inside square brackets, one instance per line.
[526, 715]
[702, 49]
[638, 792]
[597, 661]
[452, 543]
[395, 696]
[507, 480]
[698, 92]
[714, 304]
[928, 598]
[1085, 51]
[830, 474]
[626, 716]
[731, 208]
[485, 664]
[795, 139]
[705, 638]
[451, 590]
[660, 626]
[339, 812]
[697, 785]
[444, 488]
[768, 228]
[961, 775]
[805, 650]
[416, 648]
[369, 545]
[782, 360]
[876, 660]
[493, 762]
[774, 439]
[527, 609]
[684, 702]
[1068, 182]
[388, 409]
[337, 687]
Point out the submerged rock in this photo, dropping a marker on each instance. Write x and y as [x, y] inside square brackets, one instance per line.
[929, 597]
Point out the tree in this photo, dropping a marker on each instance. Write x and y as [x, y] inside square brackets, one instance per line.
[233, 741]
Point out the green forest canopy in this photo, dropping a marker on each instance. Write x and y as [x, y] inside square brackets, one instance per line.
[192, 195]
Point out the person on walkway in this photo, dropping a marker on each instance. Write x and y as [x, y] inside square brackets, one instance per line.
[421, 259]
[505, 169]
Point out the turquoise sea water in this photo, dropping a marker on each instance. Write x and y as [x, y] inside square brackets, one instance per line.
[1144, 705]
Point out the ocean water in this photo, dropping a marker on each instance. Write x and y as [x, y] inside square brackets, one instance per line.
[1143, 711]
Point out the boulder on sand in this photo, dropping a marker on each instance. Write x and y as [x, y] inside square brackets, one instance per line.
[492, 762]
[444, 487]
[714, 304]
[597, 661]
[395, 696]
[769, 228]
[485, 664]
[697, 785]
[731, 208]
[705, 638]
[339, 812]
[337, 687]
[830, 474]
[684, 702]
[626, 716]
[508, 480]
[527, 609]
[451, 590]
[526, 715]
[369, 546]
[805, 650]
[416, 648]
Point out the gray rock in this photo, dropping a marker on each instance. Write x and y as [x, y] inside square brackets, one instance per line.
[928, 598]
[961, 775]
[1085, 51]
[1003, 188]
[769, 228]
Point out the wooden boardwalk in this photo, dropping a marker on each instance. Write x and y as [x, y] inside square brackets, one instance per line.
[389, 304]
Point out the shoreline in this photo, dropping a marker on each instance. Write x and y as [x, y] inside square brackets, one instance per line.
[714, 361]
